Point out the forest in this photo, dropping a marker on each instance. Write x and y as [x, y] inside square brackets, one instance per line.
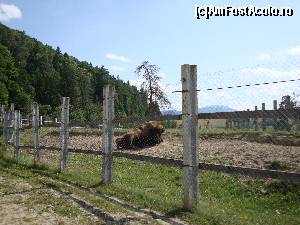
[31, 71]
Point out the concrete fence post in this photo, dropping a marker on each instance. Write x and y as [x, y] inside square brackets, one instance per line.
[275, 104]
[5, 133]
[11, 117]
[263, 108]
[16, 133]
[248, 121]
[64, 133]
[255, 120]
[41, 121]
[36, 133]
[2, 114]
[21, 121]
[28, 120]
[108, 133]
[190, 136]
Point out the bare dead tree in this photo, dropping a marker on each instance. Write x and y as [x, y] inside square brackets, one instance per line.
[157, 98]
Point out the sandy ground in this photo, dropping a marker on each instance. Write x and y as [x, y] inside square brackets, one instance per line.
[222, 151]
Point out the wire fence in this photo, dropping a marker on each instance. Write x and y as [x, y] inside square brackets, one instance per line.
[225, 141]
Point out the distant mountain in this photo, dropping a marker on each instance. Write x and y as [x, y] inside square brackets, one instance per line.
[206, 109]
[215, 108]
[171, 112]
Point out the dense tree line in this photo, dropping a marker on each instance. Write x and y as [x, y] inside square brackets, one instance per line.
[33, 72]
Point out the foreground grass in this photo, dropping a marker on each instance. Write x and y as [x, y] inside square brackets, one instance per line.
[224, 199]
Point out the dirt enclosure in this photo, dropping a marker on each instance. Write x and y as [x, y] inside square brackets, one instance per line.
[211, 150]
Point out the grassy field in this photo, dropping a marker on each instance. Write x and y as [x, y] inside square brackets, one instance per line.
[224, 199]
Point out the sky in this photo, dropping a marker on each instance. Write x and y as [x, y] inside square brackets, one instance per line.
[122, 34]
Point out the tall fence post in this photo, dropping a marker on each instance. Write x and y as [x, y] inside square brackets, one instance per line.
[275, 104]
[64, 133]
[108, 133]
[255, 120]
[2, 114]
[5, 133]
[36, 133]
[11, 117]
[16, 134]
[21, 121]
[263, 108]
[190, 136]
[275, 118]
[248, 121]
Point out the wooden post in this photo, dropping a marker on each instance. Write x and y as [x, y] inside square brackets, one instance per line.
[108, 133]
[64, 133]
[36, 133]
[263, 108]
[190, 136]
[5, 133]
[16, 134]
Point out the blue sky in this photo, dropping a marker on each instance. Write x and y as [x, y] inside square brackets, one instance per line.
[121, 34]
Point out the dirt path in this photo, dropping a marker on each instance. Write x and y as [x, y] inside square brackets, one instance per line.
[28, 200]
[23, 202]
[222, 151]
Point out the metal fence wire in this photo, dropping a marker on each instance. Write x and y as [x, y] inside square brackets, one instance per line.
[228, 132]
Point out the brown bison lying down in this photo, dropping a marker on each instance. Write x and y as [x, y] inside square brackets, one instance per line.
[147, 134]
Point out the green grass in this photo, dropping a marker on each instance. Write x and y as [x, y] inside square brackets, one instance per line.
[224, 199]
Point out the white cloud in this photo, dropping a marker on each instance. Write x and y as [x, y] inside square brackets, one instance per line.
[112, 56]
[8, 12]
[264, 57]
[294, 51]
[117, 69]
[136, 82]
[162, 75]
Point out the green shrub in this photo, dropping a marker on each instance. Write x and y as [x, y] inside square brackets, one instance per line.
[277, 165]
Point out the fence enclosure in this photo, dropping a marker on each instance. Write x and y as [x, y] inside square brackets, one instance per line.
[12, 123]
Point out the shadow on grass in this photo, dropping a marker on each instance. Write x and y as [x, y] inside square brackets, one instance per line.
[98, 184]
[44, 171]
[177, 212]
[20, 192]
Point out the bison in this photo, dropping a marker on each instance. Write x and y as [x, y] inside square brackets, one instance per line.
[147, 134]
[129, 140]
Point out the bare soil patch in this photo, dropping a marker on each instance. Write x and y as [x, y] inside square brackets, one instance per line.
[211, 150]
